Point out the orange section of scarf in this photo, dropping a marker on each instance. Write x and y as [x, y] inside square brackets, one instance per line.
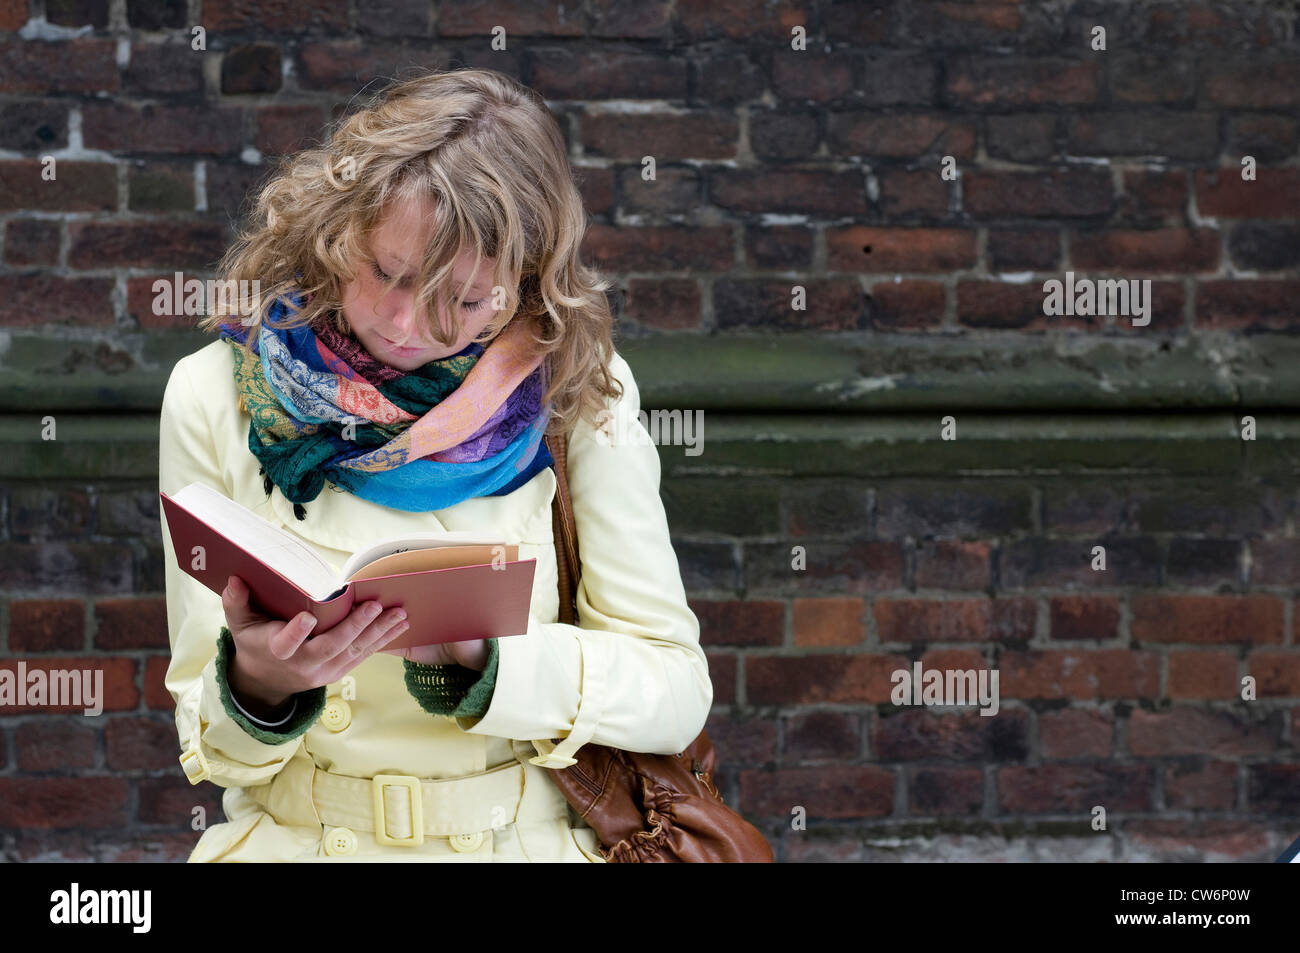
[507, 360]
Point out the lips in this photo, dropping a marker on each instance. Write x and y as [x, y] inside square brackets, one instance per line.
[397, 347]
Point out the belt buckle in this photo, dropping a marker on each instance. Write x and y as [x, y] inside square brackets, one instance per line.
[412, 784]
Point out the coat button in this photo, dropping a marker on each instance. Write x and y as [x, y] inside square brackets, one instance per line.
[340, 842]
[337, 715]
[467, 843]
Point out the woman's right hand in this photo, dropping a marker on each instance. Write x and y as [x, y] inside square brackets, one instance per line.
[273, 659]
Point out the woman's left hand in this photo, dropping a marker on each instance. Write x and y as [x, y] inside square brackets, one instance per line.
[472, 653]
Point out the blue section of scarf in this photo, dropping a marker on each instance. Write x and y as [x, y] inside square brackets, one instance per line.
[296, 373]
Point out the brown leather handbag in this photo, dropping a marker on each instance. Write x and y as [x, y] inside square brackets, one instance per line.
[644, 808]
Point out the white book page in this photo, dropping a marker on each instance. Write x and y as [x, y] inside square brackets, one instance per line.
[286, 554]
[386, 547]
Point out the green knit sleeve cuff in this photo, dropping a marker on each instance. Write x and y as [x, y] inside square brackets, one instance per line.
[453, 690]
[309, 704]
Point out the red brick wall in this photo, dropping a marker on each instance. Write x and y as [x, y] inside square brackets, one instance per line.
[1118, 688]
[820, 168]
[83, 575]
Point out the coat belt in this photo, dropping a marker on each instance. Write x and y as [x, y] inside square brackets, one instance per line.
[389, 804]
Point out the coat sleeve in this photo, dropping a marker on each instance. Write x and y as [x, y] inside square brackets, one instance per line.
[633, 674]
[217, 744]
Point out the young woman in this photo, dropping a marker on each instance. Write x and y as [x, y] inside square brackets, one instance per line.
[425, 319]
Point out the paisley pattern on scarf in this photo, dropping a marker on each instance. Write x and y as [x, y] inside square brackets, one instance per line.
[322, 408]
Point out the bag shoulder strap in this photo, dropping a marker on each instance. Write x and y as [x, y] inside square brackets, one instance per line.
[565, 530]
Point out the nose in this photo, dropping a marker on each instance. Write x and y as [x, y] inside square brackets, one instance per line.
[400, 311]
[403, 320]
[398, 308]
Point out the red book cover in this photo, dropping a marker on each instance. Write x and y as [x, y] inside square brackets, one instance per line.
[443, 605]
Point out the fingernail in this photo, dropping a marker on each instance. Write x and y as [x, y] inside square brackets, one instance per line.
[400, 614]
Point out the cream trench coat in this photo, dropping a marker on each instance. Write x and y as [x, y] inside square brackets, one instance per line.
[633, 676]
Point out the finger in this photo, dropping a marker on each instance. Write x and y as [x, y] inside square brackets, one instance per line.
[235, 601]
[367, 644]
[330, 643]
[421, 654]
[285, 643]
[368, 639]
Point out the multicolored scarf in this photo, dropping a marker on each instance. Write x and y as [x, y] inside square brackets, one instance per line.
[323, 409]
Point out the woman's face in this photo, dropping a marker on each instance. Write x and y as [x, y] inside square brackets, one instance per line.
[384, 321]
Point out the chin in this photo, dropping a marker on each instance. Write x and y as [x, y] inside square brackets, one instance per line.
[406, 363]
[403, 364]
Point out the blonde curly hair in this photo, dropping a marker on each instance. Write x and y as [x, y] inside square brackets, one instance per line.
[489, 158]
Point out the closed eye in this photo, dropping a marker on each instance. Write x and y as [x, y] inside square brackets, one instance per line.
[379, 272]
[385, 277]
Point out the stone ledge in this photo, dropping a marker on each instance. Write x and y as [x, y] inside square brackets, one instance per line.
[748, 373]
[792, 445]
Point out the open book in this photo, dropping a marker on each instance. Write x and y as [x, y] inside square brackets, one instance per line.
[453, 586]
